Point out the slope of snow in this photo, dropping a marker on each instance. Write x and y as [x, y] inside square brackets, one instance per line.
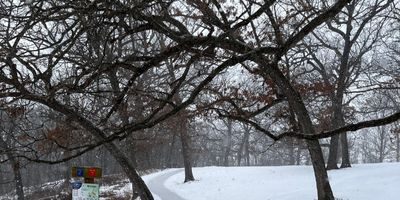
[361, 182]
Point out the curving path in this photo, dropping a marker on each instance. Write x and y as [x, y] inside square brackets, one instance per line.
[157, 186]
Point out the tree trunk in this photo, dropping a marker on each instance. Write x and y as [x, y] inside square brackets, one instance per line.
[291, 142]
[227, 143]
[239, 153]
[247, 151]
[185, 141]
[333, 153]
[298, 155]
[131, 148]
[345, 151]
[397, 147]
[19, 188]
[292, 160]
[323, 187]
[245, 141]
[138, 184]
[170, 154]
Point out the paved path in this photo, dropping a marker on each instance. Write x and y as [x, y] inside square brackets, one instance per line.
[157, 187]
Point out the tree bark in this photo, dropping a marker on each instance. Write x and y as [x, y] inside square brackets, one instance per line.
[228, 142]
[333, 153]
[397, 147]
[298, 156]
[169, 159]
[19, 188]
[185, 141]
[247, 151]
[243, 145]
[323, 187]
[295, 127]
[345, 151]
[138, 184]
[292, 160]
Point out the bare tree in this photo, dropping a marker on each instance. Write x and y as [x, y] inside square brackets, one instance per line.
[341, 64]
[47, 52]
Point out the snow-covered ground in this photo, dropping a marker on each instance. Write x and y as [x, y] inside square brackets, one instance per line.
[124, 188]
[361, 182]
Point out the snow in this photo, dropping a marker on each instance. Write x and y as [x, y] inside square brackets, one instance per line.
[122, 190]
[361, 182]
[366, 182]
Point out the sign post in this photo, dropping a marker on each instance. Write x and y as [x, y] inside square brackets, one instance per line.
[88, 189]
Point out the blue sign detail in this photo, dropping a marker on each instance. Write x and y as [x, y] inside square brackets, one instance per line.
[79, 172]
[76, 185]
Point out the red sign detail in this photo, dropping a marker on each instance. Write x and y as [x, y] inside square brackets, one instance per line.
[92, 172]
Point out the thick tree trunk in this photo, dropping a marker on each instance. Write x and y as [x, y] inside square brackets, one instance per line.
[131, 149]
[333, 153]
[321, 177]
[323, 187]
[138, 184]
[345, 151]
[338, 121]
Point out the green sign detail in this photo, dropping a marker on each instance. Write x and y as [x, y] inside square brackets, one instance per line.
[88, 191]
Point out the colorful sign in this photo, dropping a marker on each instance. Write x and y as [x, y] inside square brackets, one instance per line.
[86, 172]
[87, 191]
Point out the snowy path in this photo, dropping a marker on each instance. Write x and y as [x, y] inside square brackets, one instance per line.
[157, 186]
